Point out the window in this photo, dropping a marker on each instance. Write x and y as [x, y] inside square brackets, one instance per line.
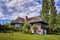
[17, 25]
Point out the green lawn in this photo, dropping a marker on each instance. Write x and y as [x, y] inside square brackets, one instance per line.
[20, 36]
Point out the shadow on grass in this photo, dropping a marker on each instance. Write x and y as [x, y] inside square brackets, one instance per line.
[55, 33]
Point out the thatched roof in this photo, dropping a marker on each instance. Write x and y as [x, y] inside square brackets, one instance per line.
[18, 20]
[30, 20]
[35, 19]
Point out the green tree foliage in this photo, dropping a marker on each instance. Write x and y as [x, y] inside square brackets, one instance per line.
[58, 19]
[7, 28]
[35, 28]
[8, 24]
[53, 14]
[26, 25]
[4, 28]
[49, 13]
[45, 10]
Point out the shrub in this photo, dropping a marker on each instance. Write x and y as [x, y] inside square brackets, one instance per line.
[57, 29]
[16, 29]
[35, 28]
[25, 30]
[27, 25]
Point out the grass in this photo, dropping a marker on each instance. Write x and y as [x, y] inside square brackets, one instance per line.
[21, 36]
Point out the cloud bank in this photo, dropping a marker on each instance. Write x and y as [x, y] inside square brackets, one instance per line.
[11, 9]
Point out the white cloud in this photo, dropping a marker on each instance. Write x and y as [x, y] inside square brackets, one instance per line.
[56, 1]
[1, 15]
[21, 8]
[58, 9]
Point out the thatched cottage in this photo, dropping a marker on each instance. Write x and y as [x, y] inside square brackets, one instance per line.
[38, 21]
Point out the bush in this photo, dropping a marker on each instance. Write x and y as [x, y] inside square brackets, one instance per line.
[27, 25]
[21, 29]
[26, 31]
[6, 31]
[17, 29]
[35, 28]
[57, 29]
[14, 29]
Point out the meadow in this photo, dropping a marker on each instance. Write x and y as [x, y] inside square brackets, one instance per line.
[21, 36]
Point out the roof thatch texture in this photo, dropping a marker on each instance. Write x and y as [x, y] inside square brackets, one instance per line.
[18, 20]
[30, 20]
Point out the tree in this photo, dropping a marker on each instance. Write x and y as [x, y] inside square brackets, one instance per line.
[45, 10]
[53, 14]
[57, 29]
[8, 24]
[58, 19]
[26, 25]
[4, 28]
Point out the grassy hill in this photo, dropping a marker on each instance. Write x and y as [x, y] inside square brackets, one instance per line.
[21, 36]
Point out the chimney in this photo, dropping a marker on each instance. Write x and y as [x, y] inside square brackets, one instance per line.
[26, 18]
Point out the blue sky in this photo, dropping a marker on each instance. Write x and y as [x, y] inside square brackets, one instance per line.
[11, 9]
